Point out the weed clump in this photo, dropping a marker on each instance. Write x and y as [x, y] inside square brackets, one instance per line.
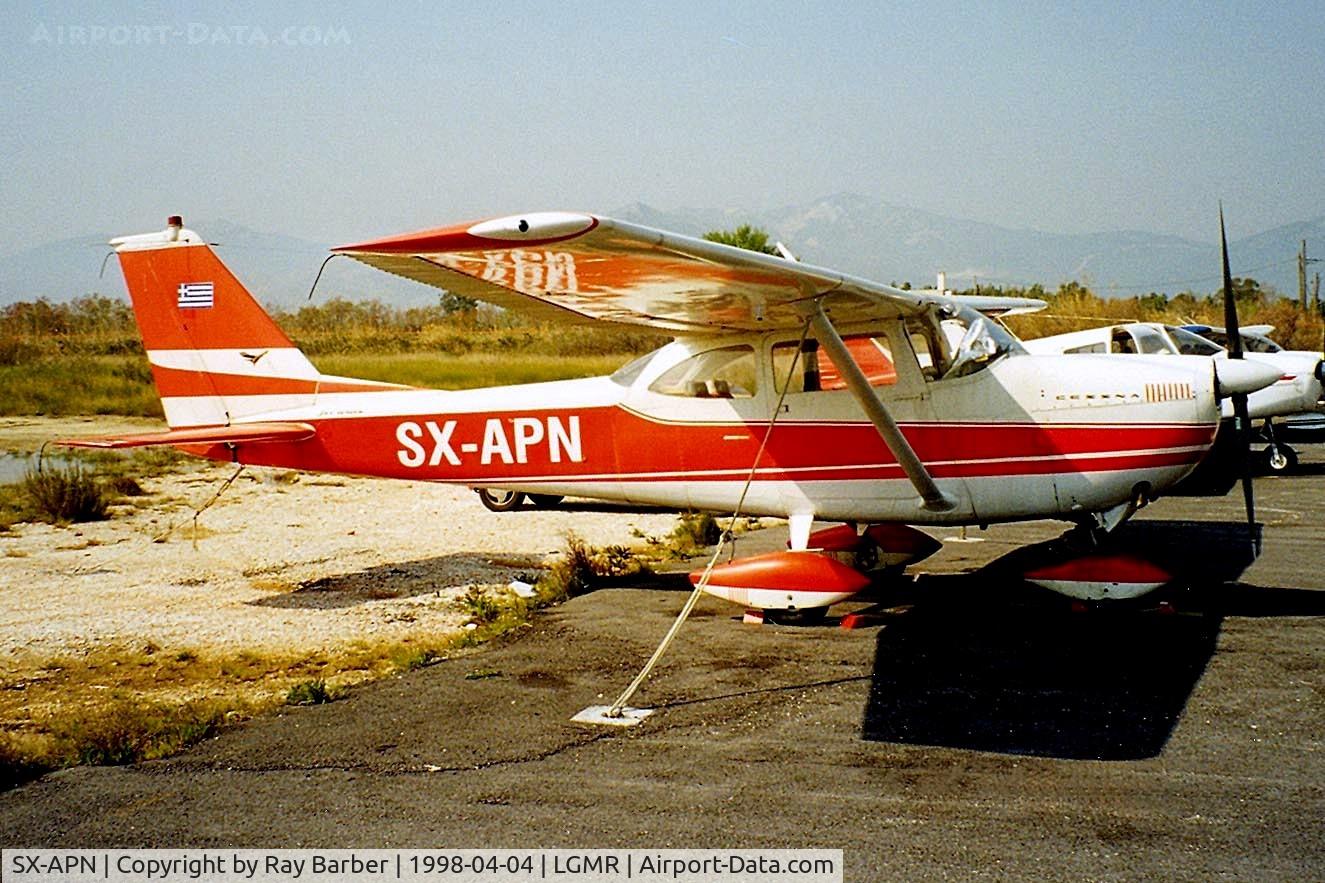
[408, 659]
[583, 568]
[311, 692]
[66, 493]
[482, 608]
[128, 733]
[694, 531]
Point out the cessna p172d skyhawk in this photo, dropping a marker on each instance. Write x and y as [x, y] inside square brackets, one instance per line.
[789, 390]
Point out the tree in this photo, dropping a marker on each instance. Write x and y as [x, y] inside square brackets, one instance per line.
[456, 303]
[744, 236]
[1247, 293]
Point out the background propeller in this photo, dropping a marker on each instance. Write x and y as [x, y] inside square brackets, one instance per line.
[1241, 421]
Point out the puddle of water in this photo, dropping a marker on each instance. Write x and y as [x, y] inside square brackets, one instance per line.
[14, 466]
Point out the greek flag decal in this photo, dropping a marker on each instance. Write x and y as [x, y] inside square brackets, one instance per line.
[195, 294]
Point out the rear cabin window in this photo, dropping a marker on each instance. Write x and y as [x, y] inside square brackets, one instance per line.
[727, 373]
[815, 371]
[1088, 348]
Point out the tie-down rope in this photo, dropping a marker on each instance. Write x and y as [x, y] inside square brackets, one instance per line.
[614, 711]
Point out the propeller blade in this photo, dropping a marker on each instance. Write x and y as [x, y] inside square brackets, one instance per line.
[1230, 306]
[1242, 421]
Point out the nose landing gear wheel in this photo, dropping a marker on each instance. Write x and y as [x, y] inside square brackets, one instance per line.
[1280, 459]
[498, 500]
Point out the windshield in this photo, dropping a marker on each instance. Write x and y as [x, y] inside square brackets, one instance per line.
[1252, 343]
[976, 341]
[1255, 343]
[1192, 344]
[628, 373]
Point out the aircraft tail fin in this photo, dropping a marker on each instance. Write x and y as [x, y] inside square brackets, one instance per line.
[217, 357]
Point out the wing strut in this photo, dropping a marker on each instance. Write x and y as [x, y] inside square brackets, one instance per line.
[935, 500]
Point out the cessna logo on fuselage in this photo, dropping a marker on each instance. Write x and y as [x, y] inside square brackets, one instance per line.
[431, 443]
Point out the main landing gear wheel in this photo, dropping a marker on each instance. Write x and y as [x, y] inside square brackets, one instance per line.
[498, 500]
[1279, 459]
[800, 616]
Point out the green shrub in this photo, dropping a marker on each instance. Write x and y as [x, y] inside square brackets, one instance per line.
[614, 562]
[310, 692]
[66, 493]
[570, 575]
[693, 531]
[481, 607]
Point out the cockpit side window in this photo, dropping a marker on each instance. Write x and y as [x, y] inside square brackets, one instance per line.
[929, 348]
[1122, 342]
[726, 373]
[1190, 344]
[815, 371]
[1150, 341]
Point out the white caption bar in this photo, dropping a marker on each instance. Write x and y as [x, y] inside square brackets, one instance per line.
[423, 865]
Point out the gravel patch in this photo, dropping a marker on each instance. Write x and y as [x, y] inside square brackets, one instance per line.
[274, 564]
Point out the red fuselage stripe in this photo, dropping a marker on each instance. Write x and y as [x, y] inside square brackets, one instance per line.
[613, 444]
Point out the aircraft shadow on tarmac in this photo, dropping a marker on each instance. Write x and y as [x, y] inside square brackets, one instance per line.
[400, 580]
[983, 661]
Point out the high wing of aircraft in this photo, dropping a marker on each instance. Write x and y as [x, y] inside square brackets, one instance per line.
[1297, 392]
[789, 390]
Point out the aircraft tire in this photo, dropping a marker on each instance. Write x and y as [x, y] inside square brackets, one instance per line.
[498, 500]
[1280, 459]
[803, 616]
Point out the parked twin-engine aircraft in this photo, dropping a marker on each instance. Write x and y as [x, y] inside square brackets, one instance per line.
[1297, 392]
[789, 390]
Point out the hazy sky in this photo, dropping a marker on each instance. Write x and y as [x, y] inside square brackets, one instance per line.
[339, 123]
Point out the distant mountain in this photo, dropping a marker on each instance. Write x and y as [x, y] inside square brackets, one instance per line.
[276, 268]
[893, 243]
[862, 236]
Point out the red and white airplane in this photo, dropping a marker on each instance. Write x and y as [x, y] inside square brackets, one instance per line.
[789, 390]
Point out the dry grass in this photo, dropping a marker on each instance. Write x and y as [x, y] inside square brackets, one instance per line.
[122, 704]
[130, 702]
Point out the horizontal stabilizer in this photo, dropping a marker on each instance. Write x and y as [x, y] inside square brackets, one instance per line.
[245, 433]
